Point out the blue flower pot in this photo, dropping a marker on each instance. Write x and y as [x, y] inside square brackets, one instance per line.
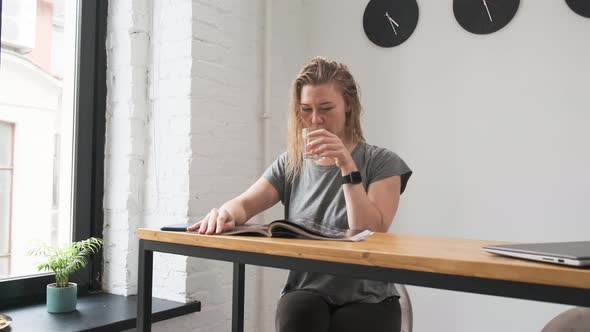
[61, 299]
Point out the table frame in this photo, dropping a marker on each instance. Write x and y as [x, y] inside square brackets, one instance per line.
[486, 286]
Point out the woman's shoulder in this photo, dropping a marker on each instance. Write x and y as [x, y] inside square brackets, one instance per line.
[380, 157]
[382, 163]
[374, 151]
[282, 160]
[284, 155]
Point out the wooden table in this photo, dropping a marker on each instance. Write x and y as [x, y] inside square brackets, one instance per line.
[444, 263]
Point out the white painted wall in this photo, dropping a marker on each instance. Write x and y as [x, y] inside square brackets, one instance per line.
[493, 126]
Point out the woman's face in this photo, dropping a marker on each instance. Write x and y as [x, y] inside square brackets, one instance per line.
[323, 107]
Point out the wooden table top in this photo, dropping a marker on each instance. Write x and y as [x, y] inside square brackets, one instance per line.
[453, 256]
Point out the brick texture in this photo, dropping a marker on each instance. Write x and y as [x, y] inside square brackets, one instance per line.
[184, 105]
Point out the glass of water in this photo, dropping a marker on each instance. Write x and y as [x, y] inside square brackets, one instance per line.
[307, 155]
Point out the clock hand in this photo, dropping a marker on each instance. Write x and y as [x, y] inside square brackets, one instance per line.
[394, 31]
[392, 22]
[487, 10]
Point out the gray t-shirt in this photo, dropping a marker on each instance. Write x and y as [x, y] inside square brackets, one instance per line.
[317, 194]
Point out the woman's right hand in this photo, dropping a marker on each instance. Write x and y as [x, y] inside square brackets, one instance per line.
[217, 221]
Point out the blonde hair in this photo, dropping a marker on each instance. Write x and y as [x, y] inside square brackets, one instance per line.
[320, 71]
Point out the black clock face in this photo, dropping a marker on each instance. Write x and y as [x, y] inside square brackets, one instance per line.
[581, 7]
[388, 23]
[484, 16]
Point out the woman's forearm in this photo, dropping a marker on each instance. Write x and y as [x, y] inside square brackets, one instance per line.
[362, 213]
[237, 210]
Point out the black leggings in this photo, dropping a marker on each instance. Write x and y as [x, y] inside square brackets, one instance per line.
[309, 312]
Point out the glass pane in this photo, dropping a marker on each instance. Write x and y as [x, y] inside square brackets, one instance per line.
[5, 144]
[4, 218]
[37, 79]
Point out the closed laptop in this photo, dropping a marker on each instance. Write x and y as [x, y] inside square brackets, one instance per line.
[565, 253]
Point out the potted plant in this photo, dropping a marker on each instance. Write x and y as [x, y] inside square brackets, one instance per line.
[63, 261]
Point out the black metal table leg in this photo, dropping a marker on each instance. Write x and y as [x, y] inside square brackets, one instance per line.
[144, 288]
[237, 320]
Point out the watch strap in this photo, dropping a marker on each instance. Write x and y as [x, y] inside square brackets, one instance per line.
[352, 178]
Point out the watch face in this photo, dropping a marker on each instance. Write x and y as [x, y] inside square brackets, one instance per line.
[581, 7]
[355, 177]
[388, 23]
[484, 16]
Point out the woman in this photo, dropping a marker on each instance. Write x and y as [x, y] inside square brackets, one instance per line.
[352, 185]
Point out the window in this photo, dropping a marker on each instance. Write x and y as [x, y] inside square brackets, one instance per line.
[6, 170]
[52, 101]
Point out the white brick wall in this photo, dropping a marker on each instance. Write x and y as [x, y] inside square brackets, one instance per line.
[185, 96]
[126, 132]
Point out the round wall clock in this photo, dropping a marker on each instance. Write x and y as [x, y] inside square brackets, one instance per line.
[580, 7]
[484, 16]
[388, 23]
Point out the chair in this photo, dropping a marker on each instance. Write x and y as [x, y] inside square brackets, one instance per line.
[572, 320]
[406, 306]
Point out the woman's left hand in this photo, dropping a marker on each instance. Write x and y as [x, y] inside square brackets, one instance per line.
[328, 145]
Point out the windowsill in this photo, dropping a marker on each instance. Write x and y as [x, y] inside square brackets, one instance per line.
[96, 312]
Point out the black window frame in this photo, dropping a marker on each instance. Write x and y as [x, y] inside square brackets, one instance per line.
[90, 102]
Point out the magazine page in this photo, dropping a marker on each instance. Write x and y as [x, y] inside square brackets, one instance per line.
[254, 229]
[312, 229]
[322, 229]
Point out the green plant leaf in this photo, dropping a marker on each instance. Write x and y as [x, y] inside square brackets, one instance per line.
[64, 261]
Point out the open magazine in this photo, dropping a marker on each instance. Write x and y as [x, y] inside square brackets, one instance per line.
[305, 229]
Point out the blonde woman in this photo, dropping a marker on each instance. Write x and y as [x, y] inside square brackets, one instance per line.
[352, 185]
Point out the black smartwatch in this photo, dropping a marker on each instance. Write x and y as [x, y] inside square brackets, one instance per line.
[353, 178]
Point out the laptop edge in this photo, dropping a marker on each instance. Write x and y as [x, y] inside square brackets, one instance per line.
[541, 258]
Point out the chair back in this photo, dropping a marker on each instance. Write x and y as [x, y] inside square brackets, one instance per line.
[571, 320]
[406, 306]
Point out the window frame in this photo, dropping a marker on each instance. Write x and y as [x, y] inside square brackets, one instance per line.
[90, 102]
